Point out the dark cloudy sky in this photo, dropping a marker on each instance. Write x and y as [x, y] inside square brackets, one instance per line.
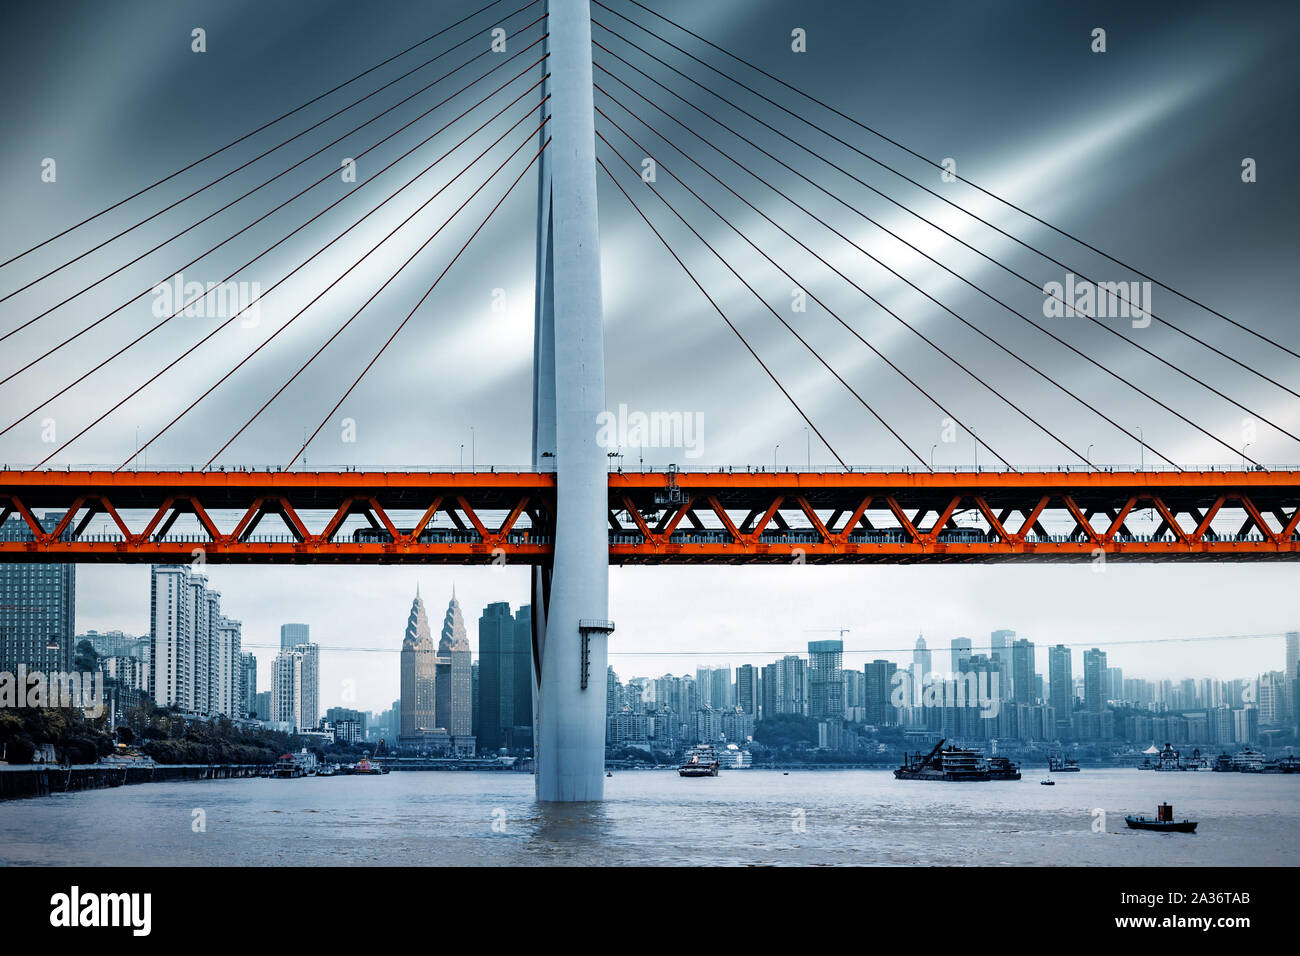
[1139, 150]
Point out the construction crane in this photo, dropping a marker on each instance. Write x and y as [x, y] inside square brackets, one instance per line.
[842, 630]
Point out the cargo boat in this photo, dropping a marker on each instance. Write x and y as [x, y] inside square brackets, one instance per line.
[1058, 764]
[954, 765]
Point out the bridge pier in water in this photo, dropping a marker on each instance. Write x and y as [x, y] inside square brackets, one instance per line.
[571, 594]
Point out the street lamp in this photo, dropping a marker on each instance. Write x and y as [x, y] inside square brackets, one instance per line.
[1142, 448]
[932, 448]
[1243, 454]
[774, 448]
[808, 435]
[1087, 456]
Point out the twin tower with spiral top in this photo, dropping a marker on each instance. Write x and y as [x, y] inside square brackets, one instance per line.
[437, 706]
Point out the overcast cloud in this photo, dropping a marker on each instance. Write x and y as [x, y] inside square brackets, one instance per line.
[1138, 149]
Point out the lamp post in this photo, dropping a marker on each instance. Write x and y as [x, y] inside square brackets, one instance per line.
[1142, 448]
[774, 448]
[932, 448]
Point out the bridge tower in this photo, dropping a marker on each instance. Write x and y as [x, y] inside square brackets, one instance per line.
[571, 597]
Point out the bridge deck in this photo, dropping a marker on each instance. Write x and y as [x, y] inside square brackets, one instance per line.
[654, 517]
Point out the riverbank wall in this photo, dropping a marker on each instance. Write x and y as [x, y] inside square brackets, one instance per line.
[18, 782]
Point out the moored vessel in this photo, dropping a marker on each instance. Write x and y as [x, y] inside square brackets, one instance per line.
[1058, 764]
[699, 761]
[1001, 768]
[954, 765]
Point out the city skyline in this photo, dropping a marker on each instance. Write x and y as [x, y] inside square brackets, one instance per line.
[737, 624]
[1122, 154]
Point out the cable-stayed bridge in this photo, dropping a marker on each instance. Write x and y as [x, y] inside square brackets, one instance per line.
[655, 517]
[689, 137]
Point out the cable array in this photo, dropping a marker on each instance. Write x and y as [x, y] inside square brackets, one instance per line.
[674, 61]
[659, 88]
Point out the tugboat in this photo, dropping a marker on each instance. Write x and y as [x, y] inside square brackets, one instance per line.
[1163, 822]
[365, 767]
[954, 765]
[1001, 768]
[700, 761]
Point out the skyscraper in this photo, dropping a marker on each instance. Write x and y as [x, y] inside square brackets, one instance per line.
[722, 694]
[247, 684]
[291, 635]
[419, 674]
[1292, 656]
[37, 607]
[878, 690]
[505, 714]
[522, 730]
[825, 679]
[295, 687]
[704, 685]
[794, 685]
[1024, 684]
[1060, 685]
[1095, 680]
[455, 690]
[771, 690]
[1000, 654]
[921, 670]
[747, 688]
[961, 652]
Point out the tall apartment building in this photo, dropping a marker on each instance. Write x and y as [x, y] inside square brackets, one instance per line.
[194, 649]
[878, 691]
[37, 607]
[1000, 653]
[247, 684]
[747, 688]
[1060, 685]
[291, 635]
[825, 679]
[1024, 685]
[295, 687]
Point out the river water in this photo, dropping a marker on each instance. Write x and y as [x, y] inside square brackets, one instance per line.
[748, 817]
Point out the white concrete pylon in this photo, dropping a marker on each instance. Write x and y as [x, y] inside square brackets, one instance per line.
[568, 396]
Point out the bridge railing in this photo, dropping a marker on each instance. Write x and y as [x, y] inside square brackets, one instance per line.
[687, 468]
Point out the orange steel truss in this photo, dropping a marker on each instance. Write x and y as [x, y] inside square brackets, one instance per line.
[654, 517]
